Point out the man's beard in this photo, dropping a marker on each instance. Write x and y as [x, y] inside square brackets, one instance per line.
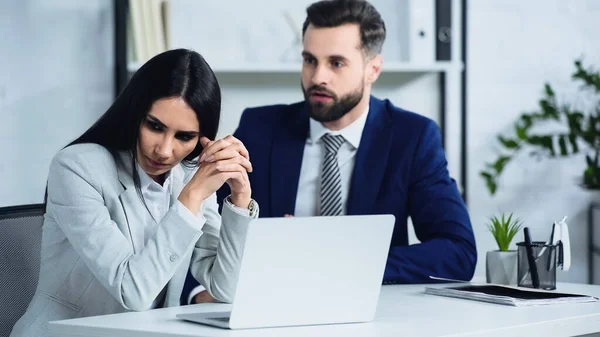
[334, 110]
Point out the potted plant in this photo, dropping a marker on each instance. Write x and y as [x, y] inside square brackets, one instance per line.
[582, 132]
[501, 264]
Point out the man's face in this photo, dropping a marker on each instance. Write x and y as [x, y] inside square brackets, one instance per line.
[333, 71]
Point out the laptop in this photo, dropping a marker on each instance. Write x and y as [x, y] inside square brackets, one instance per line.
[307, 271]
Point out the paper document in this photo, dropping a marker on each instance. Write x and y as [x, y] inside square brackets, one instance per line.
[508, 295]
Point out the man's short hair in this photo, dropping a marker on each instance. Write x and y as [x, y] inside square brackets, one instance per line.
[334, 13]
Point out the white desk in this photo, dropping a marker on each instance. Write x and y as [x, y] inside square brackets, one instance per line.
[403, 311]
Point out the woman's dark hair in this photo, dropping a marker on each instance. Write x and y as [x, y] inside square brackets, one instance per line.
[334, 13]
[178, 73]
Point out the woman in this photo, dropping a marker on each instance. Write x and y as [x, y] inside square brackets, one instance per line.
[124, 217]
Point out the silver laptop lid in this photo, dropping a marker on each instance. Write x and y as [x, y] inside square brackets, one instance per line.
[311, 270]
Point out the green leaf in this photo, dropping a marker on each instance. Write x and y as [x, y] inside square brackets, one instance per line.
[548, 90]
[504, 229]
[489, 181]
[491, 185]
[548, 110]
[575, 121]
[588, 177]
[521, 132]
[546, 142]
[543, 141]
[500, 163]
[562, 143]
[590, 77]
[589, 161]
[527, 121]
[508, 143]
[573, 141]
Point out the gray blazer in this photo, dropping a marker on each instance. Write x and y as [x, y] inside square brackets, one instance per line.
[93, 258]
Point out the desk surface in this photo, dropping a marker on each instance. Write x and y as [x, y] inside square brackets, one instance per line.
[404, 310]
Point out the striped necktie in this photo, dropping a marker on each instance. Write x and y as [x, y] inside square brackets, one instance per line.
[331, 182]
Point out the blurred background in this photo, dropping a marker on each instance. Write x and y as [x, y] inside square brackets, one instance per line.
[517, 113]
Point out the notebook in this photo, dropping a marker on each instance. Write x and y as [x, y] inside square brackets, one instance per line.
[508, 295]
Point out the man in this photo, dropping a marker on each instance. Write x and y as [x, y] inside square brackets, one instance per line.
[343, 151]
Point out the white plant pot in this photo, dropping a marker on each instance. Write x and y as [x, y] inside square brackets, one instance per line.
[501, 267]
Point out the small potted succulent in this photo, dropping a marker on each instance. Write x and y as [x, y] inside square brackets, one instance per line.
[501, 264]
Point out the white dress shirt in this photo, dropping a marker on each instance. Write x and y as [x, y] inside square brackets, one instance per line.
[309, 185]
[158, 201]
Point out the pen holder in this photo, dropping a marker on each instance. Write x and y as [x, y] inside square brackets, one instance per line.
[545, 264]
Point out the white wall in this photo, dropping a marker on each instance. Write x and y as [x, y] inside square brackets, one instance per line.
[257, 31]
[56, 78]
[514, 47]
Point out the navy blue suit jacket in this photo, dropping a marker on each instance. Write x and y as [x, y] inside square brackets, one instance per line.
[400, 169]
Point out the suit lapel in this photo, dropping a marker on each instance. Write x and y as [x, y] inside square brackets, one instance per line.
[132, 204]
[135, 212]
[371, 160]
[286, 160]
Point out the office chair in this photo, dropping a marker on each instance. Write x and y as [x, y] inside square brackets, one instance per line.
[20, 245]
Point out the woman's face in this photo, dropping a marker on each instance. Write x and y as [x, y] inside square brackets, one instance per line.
[168, 134]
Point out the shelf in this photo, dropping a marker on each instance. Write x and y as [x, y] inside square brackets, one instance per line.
[389, 67]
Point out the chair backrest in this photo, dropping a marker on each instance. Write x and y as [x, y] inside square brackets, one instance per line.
[20, 244]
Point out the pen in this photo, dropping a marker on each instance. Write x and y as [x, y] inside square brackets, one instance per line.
[551, 252]
[532, 267]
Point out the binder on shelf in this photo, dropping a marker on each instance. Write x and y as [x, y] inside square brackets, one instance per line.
[443, 28]
[421, 31]
[147, 29]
